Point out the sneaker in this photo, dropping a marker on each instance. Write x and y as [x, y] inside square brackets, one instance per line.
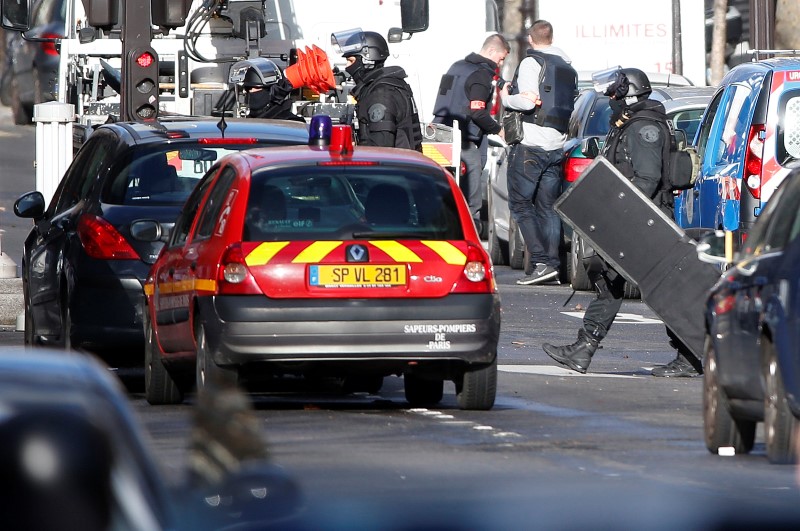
[541, 273]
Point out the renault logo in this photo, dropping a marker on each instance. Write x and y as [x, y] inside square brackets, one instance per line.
[357, 253]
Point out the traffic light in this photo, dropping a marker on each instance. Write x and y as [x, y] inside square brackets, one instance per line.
[140, 95]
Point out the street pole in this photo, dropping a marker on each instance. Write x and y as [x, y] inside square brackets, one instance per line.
[762, 24]
[677, 38]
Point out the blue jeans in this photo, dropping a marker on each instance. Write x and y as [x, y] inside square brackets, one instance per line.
[534, 184]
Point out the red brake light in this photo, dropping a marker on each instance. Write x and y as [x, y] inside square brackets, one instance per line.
[348, 163]
[222, 141]
[478, 276]
[234, 276]
[724, 305]
[462, 169]
[753, 159]
[573, 167]
[102, 241]
[50, 48]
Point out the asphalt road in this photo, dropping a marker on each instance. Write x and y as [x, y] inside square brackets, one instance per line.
[615, 448]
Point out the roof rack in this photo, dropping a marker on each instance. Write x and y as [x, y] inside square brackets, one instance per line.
[762, 54]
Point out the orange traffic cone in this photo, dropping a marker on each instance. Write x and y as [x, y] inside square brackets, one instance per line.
[311, 70]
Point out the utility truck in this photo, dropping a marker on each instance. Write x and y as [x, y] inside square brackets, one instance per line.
[137, 59]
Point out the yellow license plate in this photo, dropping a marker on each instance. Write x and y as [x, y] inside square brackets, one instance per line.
[357, 276]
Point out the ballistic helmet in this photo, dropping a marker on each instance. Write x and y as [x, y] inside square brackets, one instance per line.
[255, 72]
[639, 83]
[370, 46]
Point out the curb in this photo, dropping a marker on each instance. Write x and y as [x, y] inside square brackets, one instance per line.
[11, 300]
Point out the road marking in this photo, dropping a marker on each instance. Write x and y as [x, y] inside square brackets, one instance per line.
[450, 420]
[551, 370]
[622, 318]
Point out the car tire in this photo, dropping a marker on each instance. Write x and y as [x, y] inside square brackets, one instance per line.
[159, 387]
[720, 428]
[498, 251]
[422, 392]
[632, 291]
[22, 113]
[516, 246]
[208, 374]
[780, 425]
[579, 279]
[478, 388]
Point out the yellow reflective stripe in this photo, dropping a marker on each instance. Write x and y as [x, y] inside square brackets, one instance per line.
[315, 252]
[264, 253]
[398, 251]
[447, 251]
[149, 289]
[205, 284]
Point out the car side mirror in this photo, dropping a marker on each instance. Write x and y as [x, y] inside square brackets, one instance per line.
[711, 248]
[590, 147]
[30, 205]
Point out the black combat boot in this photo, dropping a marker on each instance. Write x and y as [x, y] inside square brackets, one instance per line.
[576, 356]
[681, 367]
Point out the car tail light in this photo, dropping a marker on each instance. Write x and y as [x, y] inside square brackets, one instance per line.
[102, 241]
[225, 141]
[753, 160]
[234, 276]
[49, 47]
[573, 167]
[724, 304]
[477, 276]
[462, 169]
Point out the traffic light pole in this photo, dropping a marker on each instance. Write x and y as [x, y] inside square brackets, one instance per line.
[136, 35]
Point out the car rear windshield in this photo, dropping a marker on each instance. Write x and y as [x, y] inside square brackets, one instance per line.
[789, 127]
[350, 202]
[161, 175]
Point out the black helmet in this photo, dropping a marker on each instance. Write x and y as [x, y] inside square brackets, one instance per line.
[639, 84]
[255, 72]
[369, 45]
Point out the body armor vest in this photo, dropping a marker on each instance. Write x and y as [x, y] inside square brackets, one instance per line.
[452, 103]
[558, 83]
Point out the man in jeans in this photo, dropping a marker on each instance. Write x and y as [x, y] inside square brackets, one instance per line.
[534, 165]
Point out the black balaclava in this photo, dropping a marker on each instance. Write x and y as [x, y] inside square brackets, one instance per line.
[259, 99]
[357, 70]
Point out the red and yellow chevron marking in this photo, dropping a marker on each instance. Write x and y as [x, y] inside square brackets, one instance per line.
[441, 153]
[182, 286]
[380, 250]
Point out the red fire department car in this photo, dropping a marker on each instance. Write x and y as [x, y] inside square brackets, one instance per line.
[323, 260]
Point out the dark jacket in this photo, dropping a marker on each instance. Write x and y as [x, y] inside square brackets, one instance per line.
[385, 109]
[465, 95]
[636, 148]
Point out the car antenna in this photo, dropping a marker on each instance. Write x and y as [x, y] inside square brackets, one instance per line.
[221, 125]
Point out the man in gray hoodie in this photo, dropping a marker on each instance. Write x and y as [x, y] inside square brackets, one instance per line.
[545, 86]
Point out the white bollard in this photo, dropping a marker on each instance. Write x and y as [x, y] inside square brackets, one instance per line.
[8, 267]
[53, 144]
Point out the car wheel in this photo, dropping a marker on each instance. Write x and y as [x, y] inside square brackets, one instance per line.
[22, 113]
[478, 388]
[208, 373]
[632, 291]
[421, 391]
[159, 387]
[720, 428]
[579, 279]
[780, 425]
[498, 251]
[516, 246]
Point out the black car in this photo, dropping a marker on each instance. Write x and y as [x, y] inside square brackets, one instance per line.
[82, 273]
[752, 346]
[75, 457]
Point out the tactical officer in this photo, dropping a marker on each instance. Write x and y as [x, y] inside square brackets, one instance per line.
[267, 89]
[385, 109]
[465, 94]
[636, 145]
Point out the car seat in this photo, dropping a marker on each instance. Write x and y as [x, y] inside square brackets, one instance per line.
[387, 204]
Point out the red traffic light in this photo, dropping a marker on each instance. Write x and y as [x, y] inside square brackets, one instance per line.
[145, 59]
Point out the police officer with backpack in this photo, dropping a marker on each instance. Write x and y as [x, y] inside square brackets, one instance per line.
[638, 146]
[465, 97]
[385, 108]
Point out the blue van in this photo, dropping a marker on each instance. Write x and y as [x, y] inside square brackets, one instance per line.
[748, 140]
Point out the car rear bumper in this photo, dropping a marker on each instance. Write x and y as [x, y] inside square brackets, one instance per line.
[459, 328]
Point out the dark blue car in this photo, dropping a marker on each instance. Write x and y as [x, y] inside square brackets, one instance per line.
[752, 365]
